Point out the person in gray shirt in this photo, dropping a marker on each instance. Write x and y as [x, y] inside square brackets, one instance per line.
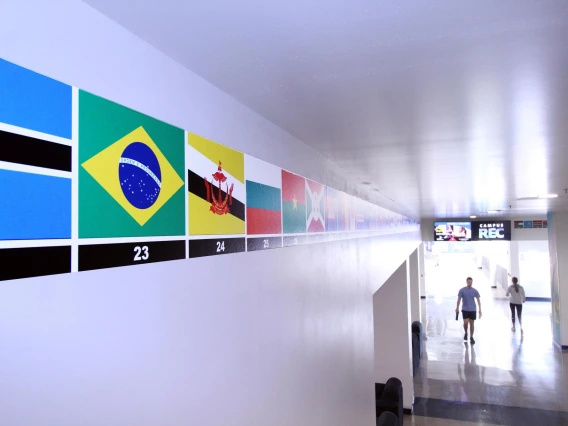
[469, 311]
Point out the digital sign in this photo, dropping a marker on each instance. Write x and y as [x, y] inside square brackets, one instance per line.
[452, 231]
[492, 231]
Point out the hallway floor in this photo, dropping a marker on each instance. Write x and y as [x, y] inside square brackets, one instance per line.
[506, 378]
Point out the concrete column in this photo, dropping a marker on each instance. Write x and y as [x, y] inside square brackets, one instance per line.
[414, 279]
[514, 269]
[558, 250]
[393, 346]
[422, 271]
[479, 254]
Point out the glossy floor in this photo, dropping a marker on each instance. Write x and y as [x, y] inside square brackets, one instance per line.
[431, 421]
[503, 368]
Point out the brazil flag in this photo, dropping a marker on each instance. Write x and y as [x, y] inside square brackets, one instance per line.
[130, 174]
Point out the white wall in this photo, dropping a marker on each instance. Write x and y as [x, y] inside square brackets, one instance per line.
[393, 344]
[561, 243]
[427, 226]
[414, 283]
[496, 265]
[422, 270]
[534, 234]
[281, 337]
[530, 262]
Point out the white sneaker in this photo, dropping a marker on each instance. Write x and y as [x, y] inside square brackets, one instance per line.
[513, 328]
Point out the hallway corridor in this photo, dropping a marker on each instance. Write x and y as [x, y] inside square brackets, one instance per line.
[504, 379]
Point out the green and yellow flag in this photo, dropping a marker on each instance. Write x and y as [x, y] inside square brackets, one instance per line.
[130, 179]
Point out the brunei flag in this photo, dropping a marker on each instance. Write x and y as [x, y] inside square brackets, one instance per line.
[293, 203]
[315, 208]
[264, 202]
[131, 172]
[216, 186]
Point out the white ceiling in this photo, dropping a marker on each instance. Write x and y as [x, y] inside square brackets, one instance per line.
[449, 107]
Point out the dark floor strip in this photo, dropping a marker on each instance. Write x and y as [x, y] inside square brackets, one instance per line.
[487, 413]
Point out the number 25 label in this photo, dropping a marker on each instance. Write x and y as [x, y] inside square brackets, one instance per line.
[142, 253]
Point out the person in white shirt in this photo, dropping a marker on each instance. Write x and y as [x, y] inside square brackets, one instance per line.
[517, 297]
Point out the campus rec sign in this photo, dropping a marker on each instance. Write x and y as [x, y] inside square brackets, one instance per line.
[491, 231]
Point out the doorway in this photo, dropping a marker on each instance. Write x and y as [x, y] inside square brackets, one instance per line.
[448, 264]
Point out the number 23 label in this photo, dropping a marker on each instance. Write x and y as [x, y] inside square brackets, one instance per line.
[141, 253]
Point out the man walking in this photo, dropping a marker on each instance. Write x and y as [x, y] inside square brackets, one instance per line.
[469, 312]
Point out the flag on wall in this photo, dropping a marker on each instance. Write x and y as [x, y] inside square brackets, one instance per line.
[35, 155]
[33, 101]
[264, 188]
[315, 206]
[331, 209]
[34, 206]
[337, 210]
[384, 220]
[371, 216]
[352, 203]
[344, 209]
[360, 208]
[130, 176]
[293, 203]
[215, 181]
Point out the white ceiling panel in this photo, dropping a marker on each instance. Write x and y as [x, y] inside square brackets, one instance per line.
[449, 108]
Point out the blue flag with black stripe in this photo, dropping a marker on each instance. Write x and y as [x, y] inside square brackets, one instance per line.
[35, 167]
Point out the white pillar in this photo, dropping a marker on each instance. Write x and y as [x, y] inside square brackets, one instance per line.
[393, 346]
[514, 259]
[558, 250]
[414, 278]
[422, 271]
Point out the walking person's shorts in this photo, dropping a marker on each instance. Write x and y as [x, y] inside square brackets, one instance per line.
[472, 315]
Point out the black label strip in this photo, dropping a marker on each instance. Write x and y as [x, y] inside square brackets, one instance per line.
[263, 243]
[294, 240]
[317, 238]
[101, 256]
[215, 246]
[34, 262]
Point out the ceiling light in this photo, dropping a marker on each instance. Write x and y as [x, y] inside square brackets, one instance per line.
[538, 197]
[472, 217]
[493, 211]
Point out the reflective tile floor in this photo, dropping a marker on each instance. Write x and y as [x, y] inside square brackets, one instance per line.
[431, 421]
[504, 378]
